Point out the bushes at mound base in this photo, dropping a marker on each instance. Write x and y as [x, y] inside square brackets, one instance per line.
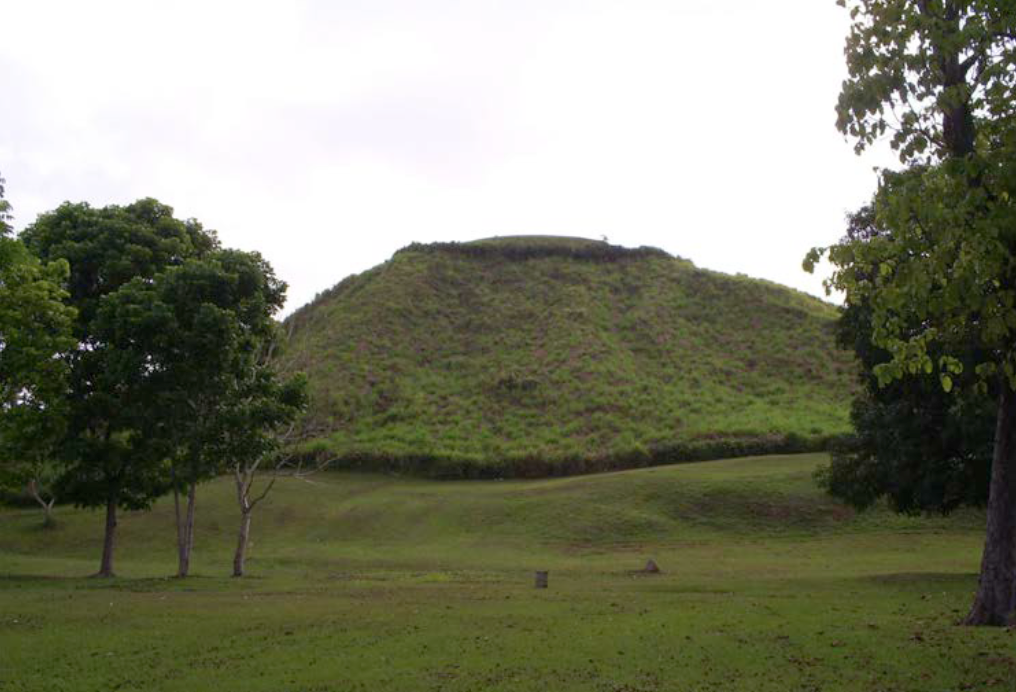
[452, 467]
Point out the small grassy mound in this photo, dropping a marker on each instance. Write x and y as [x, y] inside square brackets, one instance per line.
[536, 356]
[479, 523]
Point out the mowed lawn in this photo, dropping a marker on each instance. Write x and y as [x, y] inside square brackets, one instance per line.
[366, 582]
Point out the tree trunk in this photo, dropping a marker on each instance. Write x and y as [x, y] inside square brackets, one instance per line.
[185, 537]
[49, 522]
[996, 591]
[959, 130]
[47, 507]
[240, 558]
[176, 514]
[109, 541]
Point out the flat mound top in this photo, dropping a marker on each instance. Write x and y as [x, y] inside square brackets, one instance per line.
[548, 355]
[527, 247]
[540, 240]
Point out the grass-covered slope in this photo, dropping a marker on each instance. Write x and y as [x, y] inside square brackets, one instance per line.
[541, 355]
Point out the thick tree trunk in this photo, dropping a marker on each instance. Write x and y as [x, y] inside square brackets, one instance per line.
[240, 558]
[185, 537]
[996, 591]
[109, 541]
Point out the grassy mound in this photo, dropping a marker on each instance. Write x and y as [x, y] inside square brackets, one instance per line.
[408, 522]
[536, 356]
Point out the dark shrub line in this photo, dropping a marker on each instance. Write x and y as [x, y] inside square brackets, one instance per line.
[594, 251]
[444, 467]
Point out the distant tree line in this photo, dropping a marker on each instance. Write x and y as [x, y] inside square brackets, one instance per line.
[136, 355]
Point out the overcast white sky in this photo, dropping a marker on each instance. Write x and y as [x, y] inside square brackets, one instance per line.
[328, 134]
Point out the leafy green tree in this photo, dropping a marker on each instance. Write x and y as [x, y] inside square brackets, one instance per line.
[922, 448]
[257, 427]
[938, 77]
[193, 335]
[34, 331]
[108, 460]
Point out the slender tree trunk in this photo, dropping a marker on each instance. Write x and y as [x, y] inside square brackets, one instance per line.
[179, 523]
[47, 507]
[176, 513]
[49, 521]
[186, 536]
[240, 558]
[996, 591]
[109, 541]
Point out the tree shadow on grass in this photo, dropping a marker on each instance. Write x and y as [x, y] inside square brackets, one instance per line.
[922, 578]
[130, 584]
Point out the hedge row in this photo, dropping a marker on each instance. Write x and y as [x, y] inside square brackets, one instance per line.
[596, 252]
[461, 468]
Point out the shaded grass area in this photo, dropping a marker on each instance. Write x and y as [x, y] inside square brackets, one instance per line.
[366, 582]
[543, 356]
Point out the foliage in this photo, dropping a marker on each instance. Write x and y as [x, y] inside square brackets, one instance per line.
[108, 460]
[110, 246]
[251, 426]
[369, 582]
[5, 210]
[944, 275]
[923, 448]
[452, 364]
[936, 75]
[939, 279]
[34, 332]
[931, 454]
[192, 334]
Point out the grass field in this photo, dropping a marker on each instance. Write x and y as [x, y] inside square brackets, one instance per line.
[366, 582]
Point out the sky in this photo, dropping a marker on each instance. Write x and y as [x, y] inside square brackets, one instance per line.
[328, 134]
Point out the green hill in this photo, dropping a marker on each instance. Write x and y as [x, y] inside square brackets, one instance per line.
[544, 355]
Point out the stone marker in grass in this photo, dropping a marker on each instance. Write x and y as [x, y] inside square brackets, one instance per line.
[541, 580]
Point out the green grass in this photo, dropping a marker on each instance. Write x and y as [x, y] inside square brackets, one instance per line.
[541, 356]
[367, 582]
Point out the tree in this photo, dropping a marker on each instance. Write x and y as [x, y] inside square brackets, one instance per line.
[254, 434]
[107, 460]
[192, 335]
[939, 76]
[34, 332]
[922, 448]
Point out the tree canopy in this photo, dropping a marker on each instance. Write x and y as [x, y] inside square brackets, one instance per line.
[34, 331]
[924, 449]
